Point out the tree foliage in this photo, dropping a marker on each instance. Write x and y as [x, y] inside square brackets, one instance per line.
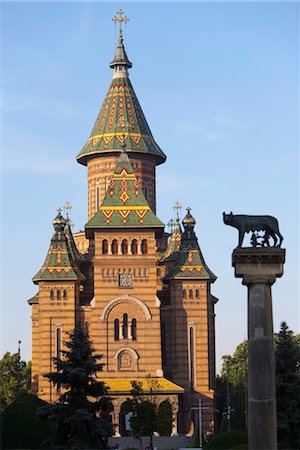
[165, 419]
[147, 416]
[76, 421]
[20, 427]
[15, 378]
[288, 388]
[234, 378]
[232, 389]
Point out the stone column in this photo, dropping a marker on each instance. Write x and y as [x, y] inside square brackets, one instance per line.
[259, 268]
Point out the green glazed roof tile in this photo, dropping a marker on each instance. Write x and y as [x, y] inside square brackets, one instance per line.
[33, 300]
[121, 114]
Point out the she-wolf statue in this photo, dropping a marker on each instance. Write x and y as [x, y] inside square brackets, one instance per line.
[245, 224]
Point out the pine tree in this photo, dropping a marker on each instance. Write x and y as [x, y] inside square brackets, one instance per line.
[288, 388]
[76, 421]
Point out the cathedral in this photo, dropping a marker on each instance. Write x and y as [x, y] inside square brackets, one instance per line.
[143, 295]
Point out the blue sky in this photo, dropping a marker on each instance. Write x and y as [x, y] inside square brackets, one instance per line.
[218, 85]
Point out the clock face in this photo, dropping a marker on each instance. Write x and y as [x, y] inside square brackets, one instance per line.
[125, 280]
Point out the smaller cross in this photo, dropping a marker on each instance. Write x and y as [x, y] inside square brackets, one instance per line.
[120, 18]
[67, 207]
[177, 208]
[59, 210]
[171, 224]
[188, 210]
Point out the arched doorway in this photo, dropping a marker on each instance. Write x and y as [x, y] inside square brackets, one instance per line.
[124, 420]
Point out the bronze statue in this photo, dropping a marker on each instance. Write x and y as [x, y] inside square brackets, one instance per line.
[245, 224]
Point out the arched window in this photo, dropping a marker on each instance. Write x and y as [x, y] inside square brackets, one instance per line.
[58, 295]
[65, 294]
[98, 203]
[144, 247]
[197, 293]
[58, 350]
[184, 293]
[133, 329]
[125, 326]
[104, 247]
[191, 293]
[191, 357]
[134, 247]
[58, 342]
[158, 272]
[117, 329]
[51, 294]
[124, 247]
[114, 247]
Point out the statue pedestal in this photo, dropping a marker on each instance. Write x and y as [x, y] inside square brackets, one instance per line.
[259, 268]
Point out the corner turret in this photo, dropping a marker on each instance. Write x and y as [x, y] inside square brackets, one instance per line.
[190, 262]
[60, 263]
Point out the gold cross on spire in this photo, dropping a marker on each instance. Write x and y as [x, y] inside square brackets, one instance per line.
[120, 18]
[177, 208]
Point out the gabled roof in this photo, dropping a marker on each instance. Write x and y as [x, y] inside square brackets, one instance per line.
[124, 204]
[120, 114]
[190, 262]
[60, 262]
[174, 245]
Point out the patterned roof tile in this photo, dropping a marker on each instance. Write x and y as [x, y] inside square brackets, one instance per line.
[121, 114]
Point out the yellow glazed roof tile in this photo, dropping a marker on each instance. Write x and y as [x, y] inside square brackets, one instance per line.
[159, 384]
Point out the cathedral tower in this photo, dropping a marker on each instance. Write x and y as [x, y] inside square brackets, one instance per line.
[121, 117]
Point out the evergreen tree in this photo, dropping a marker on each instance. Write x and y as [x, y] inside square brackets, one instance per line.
[76, 421]
[288, 388]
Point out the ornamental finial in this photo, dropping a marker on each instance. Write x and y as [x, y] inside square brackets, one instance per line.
[121, 18]
[188, 221]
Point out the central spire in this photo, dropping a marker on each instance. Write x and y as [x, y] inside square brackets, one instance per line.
[120, 63]
[121, 116]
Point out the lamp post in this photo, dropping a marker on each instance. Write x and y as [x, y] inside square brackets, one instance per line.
[19, 368]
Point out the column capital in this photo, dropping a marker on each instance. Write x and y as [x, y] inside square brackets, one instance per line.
[258, 265]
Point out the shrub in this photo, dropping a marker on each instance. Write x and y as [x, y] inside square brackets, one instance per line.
[228, 440]
[20, 427]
